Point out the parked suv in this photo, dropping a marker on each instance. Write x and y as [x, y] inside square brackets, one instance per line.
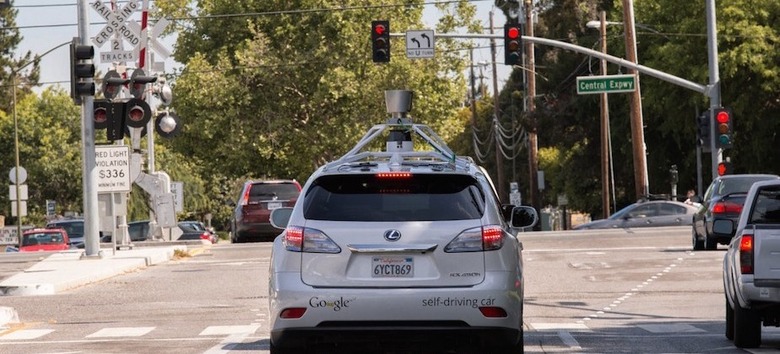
[254, 205]
[399, 247]
[73, 227]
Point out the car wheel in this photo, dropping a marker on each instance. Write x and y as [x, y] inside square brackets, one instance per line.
[697, 244]
[729, 321]
[747, 328]
[709, 242]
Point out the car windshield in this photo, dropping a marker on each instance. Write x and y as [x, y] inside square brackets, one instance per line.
[42, 238]
[270, 191]
[622, 212]
[738, 185]
[417, 198]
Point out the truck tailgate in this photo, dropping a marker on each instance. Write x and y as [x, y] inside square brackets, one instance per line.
[767, 258]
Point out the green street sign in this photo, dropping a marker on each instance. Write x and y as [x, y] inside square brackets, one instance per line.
[605, 84]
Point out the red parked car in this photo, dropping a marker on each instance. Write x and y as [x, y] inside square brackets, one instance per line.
[250, 218]
[45, 240]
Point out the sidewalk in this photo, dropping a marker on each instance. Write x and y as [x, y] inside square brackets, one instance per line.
[67, 270]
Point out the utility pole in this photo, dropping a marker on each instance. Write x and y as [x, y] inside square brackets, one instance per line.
[473, 92]
[605, 158]
[499, 156]
[533, 160]
[637, 125]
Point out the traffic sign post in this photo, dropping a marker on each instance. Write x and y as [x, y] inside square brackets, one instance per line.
[420, 44]
[113, 165]
[606, 84]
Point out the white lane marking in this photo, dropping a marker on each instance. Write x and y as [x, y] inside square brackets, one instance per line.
[121, 332]
[670, 328]
[232, 341]
[569, 340]
[24, 334]
[228, 330]
[557, 326]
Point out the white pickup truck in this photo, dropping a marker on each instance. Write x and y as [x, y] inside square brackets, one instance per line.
[751, 267]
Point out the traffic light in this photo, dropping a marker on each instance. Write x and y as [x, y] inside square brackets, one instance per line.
[513, 48]
[380, 41]
[703, 131]
[725, 128]
[725, 168]
[82, 70]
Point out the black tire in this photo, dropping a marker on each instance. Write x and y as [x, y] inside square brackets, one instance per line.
[709, 242]
[747, 328]
[729, 321]
[698, 245]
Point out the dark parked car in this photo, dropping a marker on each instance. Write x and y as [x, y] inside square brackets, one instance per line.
[254, 205]
[644, 214]
[196, 230]
[74, 228]
[722, 201]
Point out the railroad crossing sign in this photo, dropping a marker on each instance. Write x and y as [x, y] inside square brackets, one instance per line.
[419, 44]
[117, 23]
[605, 84]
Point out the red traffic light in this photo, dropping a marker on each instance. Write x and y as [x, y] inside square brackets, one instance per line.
[380, 29]
[724, 168]
[513, 33]
[380, 41]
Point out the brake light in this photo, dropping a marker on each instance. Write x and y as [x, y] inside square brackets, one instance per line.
[205, 236]
[245, 197]
[394, 175]
[292, 312]
[746, 254]
[486, 238]
[301, 239]
[726, 208]
[492, 311]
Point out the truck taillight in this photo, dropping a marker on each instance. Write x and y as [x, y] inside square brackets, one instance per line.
[726, 208]
[746, 254]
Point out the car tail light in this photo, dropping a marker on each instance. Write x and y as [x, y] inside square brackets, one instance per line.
[485, 238]
[245, 197]
[746, 254]
[394, 175]
[205, 236]
[293, 312]
[304, 239]
[726, 208]
[492, 311]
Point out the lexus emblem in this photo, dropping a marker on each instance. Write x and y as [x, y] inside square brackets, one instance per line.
[392, 235]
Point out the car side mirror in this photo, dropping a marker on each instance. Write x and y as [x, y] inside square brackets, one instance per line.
[523, 216]
[280, 217]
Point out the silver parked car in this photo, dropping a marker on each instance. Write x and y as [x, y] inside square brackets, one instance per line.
[398, 248]
[645, 214]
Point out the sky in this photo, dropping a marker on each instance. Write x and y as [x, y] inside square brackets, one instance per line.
[45, 24]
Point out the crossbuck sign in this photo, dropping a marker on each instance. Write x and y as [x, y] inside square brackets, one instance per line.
[117, 23]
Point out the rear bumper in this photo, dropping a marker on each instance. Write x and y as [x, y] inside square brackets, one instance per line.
[374, 334]
[257, 231]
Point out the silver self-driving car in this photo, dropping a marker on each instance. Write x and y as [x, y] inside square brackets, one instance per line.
[398, 248]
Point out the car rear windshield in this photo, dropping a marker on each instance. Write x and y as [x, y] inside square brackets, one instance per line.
[270, 191]
[73, 228]
[767, 206]
[420, 197]
[42, 238]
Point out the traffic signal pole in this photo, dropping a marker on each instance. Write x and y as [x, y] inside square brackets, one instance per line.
[714, 86]
[89, 172]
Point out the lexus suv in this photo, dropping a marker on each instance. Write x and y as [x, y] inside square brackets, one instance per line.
[398, 248]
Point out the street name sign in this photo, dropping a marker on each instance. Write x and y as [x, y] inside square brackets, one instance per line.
[113, 168]
[606, 84]
[419, 44]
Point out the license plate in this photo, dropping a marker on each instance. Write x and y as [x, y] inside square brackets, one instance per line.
[274, 205]
[392, 267]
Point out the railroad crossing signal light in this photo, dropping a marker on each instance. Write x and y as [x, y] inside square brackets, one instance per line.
[101, 114]
[167, 124]
[137, 113]
[138, 82]
[112, 84]
[82, 70]
[513, 48]
[724, 128]
[380, 41]
[725, 168]
[703, 131]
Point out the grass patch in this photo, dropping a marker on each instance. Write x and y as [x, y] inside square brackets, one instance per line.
[179, 254]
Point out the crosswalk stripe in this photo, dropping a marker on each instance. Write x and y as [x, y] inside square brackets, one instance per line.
[25, 334]
[229, 330]
[121, 332]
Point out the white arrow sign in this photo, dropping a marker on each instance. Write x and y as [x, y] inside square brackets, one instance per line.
[130, 31]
